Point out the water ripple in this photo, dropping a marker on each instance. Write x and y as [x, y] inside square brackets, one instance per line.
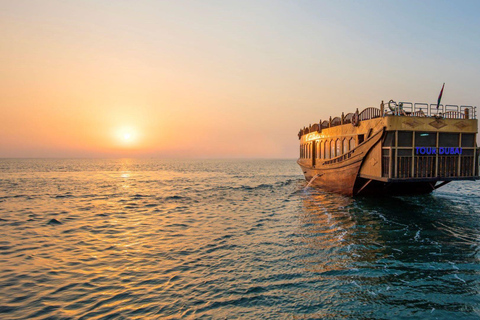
[126, 239]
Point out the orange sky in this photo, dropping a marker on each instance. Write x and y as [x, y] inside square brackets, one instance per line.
[213, 79]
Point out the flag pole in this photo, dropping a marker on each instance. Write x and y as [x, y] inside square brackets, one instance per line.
[440, 96]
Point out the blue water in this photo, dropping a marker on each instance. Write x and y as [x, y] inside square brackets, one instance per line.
[137, 239]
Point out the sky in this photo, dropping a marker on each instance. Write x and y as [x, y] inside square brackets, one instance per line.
[218, 79]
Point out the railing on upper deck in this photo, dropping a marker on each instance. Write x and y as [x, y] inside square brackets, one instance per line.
[449, 111]
[403, 108]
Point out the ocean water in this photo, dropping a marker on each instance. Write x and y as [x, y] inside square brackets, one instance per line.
[147, 239]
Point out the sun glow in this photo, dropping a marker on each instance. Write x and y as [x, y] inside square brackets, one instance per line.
[126, 136]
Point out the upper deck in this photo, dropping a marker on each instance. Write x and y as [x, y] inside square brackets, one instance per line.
[421, 115]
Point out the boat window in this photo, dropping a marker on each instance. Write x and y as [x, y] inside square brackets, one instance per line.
[339, 147]
[327, 149]
[389, 139]
[448, 139]
[467, 152]
[332, 149]
[361, 137]
[319, 154]
[404, 152]
[352, 143]
[345, 146]
[468, 140]
[405, 138]
[322, 152]
[425, 139]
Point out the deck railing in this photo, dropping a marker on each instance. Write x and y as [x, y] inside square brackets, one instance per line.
[403, 108]
[450, 111]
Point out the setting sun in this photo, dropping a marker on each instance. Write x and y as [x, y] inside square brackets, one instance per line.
[126, 136]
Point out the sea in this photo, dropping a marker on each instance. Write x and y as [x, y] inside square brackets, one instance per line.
[227, 239]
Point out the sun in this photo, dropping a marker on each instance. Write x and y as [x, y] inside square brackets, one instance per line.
[126, 136]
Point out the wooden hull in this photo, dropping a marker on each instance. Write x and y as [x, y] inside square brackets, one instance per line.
[340, 174]
[340, 180]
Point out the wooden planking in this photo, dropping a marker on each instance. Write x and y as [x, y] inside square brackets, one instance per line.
[372, 165]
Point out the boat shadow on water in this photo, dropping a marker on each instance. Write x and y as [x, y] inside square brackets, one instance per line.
[418, 255]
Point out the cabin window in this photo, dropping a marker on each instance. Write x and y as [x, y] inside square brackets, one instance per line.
[448, 139]
[332, 149]
[389, 139]
[405, 138]
[468, 140]
[405, 152]
[318, 150]
[345, 146]
[361, 137]
[327, 150]
[322, 152]
[425, 139]
[339, 147]
[352, 143]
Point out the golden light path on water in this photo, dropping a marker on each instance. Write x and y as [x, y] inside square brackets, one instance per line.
[226, 239]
